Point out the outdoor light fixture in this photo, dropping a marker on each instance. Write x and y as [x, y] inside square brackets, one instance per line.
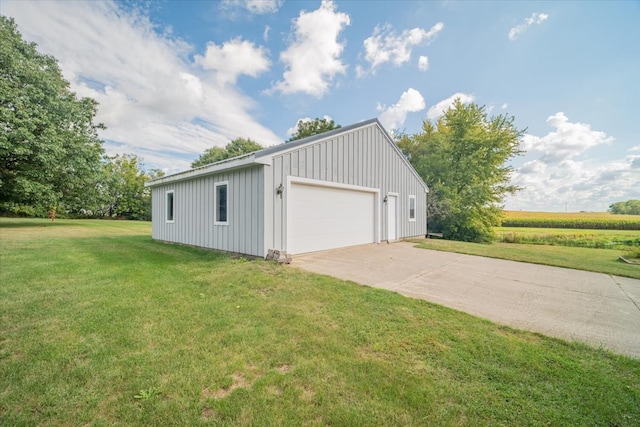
[385, 199]
[280, 190]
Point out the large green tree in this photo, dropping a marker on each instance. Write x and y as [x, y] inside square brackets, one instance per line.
[306, 128]
[50, 152]
[122, 190]
[630, 207]
[236, 147]
[463, 159]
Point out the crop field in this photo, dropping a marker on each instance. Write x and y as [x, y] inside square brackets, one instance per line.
[582, 238]
[574, 220]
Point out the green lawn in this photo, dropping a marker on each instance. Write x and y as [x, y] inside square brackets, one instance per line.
[598, 260]
[101, 325]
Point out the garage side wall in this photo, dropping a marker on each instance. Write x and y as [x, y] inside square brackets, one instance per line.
[193, 222]
[363, 157]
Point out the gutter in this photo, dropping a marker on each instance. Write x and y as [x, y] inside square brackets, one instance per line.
[239, 162]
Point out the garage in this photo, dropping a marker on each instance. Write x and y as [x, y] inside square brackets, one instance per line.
[345, 187]
[324, 216]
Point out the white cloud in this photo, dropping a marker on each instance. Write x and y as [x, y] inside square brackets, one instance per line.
[567, 141]
[312, 60]
[633, 149]
[535, 18]
[265, 34]
[233, 58]
[153, 100]
[504, 106]
[385, 46]
[587, 185]
[557, 179]
[423, 63]
[257, 7]
[442, 106]
[394, 116]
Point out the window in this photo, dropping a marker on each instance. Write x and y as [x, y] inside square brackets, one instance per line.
[412, 208]
[170, 206]
[220, 201]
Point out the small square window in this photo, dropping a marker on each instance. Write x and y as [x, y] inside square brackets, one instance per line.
[412, 208]
[221, 203]
[170, 206]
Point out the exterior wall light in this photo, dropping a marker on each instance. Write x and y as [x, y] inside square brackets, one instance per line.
[280, 190]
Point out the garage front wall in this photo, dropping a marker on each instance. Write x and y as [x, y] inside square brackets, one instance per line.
[363, 157]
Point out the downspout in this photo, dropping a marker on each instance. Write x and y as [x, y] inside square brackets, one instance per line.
[426, 212]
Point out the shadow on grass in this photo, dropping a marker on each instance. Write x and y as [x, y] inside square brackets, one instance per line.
[29, 222]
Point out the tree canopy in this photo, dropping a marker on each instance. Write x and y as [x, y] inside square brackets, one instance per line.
[236, 147]
[50, 152]
[462, 158]
[305, 128]
[630, 207]
[122, 192]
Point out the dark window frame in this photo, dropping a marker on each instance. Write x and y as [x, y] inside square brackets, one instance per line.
[221, 203]
[171, 206]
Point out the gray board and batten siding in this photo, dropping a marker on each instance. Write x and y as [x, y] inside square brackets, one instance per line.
[194, 218]
[362, 155]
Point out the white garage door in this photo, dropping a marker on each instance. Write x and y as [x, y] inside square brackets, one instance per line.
[324, 218]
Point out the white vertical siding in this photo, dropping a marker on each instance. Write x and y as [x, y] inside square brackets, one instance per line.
[194, 212]
[363, 157]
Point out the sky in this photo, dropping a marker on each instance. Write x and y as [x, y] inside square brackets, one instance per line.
[174, 78]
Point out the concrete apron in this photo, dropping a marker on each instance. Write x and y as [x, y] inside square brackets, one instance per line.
[596, 308]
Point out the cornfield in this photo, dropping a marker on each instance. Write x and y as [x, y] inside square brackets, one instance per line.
[578, 220]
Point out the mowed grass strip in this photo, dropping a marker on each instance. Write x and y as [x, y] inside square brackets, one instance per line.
[605, 261]
[101, 325]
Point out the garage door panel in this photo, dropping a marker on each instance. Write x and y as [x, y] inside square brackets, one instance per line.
[326, 217]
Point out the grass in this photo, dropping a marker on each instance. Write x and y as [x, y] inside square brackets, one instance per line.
[597, 260]
[600, 239]
[101, 325]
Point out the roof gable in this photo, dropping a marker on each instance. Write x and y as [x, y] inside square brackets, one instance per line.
[265, 156]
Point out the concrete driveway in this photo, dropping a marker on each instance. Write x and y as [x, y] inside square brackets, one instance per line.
[577, 305]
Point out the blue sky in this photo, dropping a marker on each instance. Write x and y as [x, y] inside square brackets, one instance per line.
[176, 77]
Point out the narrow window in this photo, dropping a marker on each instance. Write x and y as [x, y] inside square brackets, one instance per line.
[221, 203]
[170, 206]
[412, 208]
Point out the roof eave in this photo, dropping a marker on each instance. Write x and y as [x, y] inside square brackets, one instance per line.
[212, 169]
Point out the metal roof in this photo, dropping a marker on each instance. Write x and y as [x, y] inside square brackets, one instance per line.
[264, 156]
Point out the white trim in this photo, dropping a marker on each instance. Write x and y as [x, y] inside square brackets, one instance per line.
[215, 203]
[306, 181]
[173, 207]
[246, 160]
[395, 216]
[411, 197]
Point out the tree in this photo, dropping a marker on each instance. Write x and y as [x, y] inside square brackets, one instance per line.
[121, 192]
[236, 147]
[49, 147]
[462, 158]
[305, 128]
[630, 207]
